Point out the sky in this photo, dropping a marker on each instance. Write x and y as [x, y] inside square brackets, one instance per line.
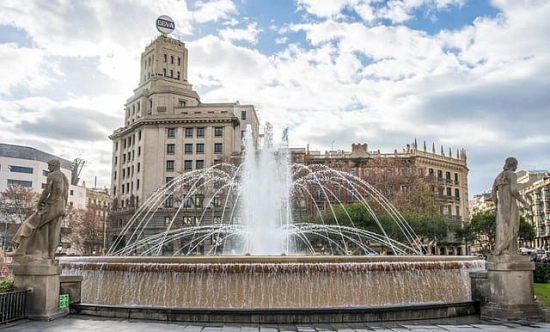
[458, 74]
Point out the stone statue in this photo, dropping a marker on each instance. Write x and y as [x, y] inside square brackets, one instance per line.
[39, 234]
[505, 194]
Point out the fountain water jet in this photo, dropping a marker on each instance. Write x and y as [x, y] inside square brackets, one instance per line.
[260, 206]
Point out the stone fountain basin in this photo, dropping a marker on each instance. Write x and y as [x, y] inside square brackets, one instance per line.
[268, 282]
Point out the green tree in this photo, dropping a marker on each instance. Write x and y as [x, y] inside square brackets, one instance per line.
[356, 215]
[526, 231]
[480, 230]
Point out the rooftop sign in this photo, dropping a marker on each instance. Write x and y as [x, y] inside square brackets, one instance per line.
[165, 24]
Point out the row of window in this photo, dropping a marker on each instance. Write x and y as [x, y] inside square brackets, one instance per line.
[197, 201]
[22, 183]
[127, 187]
[129, 141]
[448, 177]
[199, 148]
[23, 169]
[171, 132]
[187, 165]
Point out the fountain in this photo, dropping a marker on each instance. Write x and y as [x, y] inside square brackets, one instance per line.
[261, 260]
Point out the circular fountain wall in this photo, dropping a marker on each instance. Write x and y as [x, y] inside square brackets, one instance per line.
[273, 281]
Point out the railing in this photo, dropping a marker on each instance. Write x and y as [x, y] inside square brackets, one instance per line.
[12, 306]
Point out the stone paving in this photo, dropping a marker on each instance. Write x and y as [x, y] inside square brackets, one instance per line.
[78, 323]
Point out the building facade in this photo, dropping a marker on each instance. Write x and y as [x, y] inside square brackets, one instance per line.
[537, 213]
[168, 131]
[398, 172]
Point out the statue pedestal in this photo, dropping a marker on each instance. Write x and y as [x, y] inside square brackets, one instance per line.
[511, 296]
[41, 276]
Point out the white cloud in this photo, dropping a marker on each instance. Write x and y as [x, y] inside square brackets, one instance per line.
[250, 34]
[24, 67]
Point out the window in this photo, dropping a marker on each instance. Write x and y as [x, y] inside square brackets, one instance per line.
[200, 148]
[169, 202]
[188, 148]
[243, 115]
[165, 57]
[139, 132]
[187, 202]
[170, 148]
[164, 72]
[188, 132]
[181, 103]
[45, 172]
[138, 167]
[169, 165]
[439, 174]
[21, 183]
[179, 61]
[178, 75]
[171, 132]
[198, 201]
[218, 148]
[188, 164]
[137, 184]
[200, 132]
[199, 164]
[448, 192]
[172, 59]
[218, 131]
[216, 201]
[20, 169]
[169, 179]
[171, 73]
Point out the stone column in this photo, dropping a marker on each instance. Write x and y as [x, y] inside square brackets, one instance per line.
[41, 276]
[511, 294]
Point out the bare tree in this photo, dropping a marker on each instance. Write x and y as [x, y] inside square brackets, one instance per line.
[17, 203]
[86, 235]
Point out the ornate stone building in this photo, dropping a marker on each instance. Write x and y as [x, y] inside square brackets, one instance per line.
[397, 172]
[168, 130]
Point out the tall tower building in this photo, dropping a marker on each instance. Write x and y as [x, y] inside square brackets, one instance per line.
[168, 131]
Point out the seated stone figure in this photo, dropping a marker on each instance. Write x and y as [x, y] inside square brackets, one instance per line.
[39, 234]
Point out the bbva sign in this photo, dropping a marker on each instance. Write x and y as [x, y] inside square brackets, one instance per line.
[165, 24]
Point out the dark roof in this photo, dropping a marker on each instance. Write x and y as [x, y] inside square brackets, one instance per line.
[25, 152]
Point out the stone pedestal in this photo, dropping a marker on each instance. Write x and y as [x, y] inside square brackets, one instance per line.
[511, 295]
[41, 277]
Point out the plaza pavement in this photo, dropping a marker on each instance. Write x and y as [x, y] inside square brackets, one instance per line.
[76, 323]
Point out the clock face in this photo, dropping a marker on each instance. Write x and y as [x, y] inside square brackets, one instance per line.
[165, 24]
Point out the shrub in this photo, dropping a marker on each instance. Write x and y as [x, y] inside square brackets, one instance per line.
[542, 273]
[7, 285]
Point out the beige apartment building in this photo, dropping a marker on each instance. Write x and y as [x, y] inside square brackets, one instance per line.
[168, 131]
[537, 194]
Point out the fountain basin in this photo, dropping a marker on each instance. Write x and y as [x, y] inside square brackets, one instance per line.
[273, 282]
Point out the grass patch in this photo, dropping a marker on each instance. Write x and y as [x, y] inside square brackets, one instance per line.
[542, 291]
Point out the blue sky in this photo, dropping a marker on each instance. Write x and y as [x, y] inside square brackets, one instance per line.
[462, 74]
